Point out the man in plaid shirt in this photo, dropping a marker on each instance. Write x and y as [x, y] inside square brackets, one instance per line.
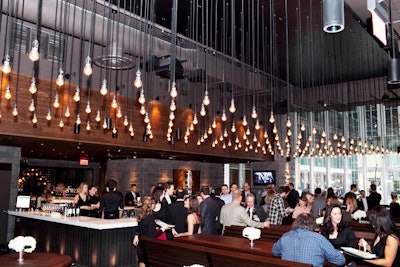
[277, 209]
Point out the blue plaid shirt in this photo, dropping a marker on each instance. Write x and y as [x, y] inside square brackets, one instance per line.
[305, 246]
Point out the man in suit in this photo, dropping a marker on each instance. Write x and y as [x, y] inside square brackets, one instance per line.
[374, 198]
[217, 198]
[319, 203]
[255, 212]
[178, 212]
[293, 196]
[209, 212]
[234, 214]
[246, 191]
[169, 193]
[362, 202]
[131, 198]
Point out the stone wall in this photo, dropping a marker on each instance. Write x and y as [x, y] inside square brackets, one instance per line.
[145, 172]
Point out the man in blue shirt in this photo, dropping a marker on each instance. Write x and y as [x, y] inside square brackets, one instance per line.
[303, 245]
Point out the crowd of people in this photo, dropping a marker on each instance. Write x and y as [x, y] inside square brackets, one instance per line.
[210, 211]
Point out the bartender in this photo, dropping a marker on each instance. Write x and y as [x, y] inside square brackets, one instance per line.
[112, 203]
[132, 197]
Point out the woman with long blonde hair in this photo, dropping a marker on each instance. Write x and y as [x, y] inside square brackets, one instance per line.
[81, 199]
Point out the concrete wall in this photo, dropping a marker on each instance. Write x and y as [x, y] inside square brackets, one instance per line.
[11, 155]
[145, 172]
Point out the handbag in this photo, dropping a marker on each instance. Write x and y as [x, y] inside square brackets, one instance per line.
[162, 236]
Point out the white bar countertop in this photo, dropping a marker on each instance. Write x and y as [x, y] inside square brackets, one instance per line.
[80, 221]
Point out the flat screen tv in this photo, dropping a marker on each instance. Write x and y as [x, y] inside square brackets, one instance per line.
[264, 177]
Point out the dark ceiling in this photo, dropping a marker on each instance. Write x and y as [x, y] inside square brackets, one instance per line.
[315, 57]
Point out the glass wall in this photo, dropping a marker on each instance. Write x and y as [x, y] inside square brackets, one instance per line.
[370, 144]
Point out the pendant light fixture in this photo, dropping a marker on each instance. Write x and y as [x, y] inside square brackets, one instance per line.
[333, 15]
[394, 61]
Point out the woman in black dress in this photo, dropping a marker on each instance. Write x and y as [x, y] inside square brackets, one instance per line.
[386, 241]
[335, 230]
[146, 227]
[193, 217]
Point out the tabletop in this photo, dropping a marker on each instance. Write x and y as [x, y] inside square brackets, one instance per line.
[36, 259]
[229, 243]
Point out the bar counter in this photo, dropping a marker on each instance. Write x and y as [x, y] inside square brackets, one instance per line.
[88, 241]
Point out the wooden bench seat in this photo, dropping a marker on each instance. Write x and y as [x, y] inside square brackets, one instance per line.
[166, 253]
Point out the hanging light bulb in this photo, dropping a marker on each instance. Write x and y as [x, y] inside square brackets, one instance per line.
[225, 133]
[142, 110]
[126, 123]
[138, 80]
[78, 119]
[232, 107]
[61, 124]
[114, 102]
[172, 107]
[272, 118]
[119, 112]
[275, 130]
[67, 112]
[302, 127]
[6, 65]
[130, 127]
[32, 87]
[209, 130]
[214, 124]
[323, 134]
[289, 132]
[56, 102]
[48, 116]
[105, 123]
[146, 118]
[142, 99]
[247, 131]
[77, 97]
[233, 128]
[32, 105]
[244, 122]
[170, 124]
[202, 110]
[88, 109]
[254, 112]
[15, 111]
[173, 92]
[257, 126]
[288, 123]
[171, 116]
[87, 70]
[88, 128]
[191, 127]
[314, 130]
[206, 99]
[60, 78]
[195, 120]
[103, 88]
[34, 54]
[7, 94]
[132, 134]
[98, 118]
[223, 117]
[34, 119]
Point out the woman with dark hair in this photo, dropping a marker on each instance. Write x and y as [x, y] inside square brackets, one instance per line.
[193, 218]
[161, 209]
[335, 230]
[147, 227]
[386, 241]
[330, 193]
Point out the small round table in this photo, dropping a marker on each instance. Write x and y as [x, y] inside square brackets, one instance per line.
[36, 259]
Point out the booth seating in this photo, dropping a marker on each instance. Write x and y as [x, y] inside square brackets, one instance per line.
[166, 253]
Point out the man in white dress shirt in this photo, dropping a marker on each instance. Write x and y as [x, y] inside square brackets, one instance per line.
[226, 196]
